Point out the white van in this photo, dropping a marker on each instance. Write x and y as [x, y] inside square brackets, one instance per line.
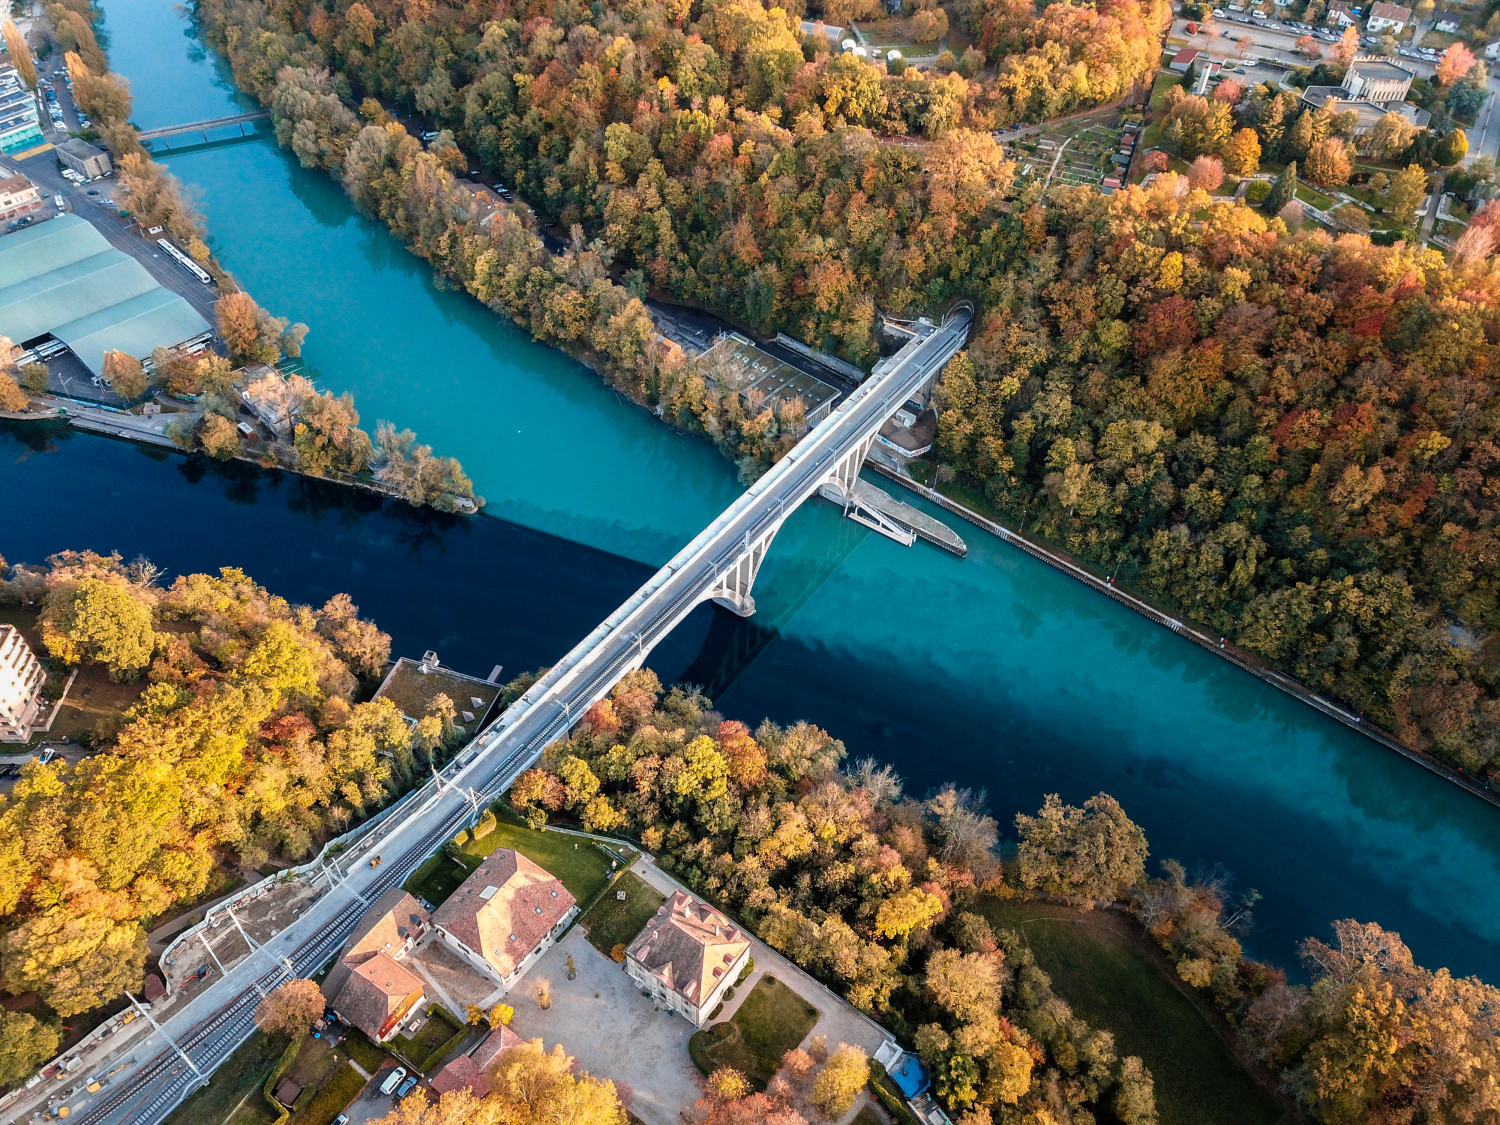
[62, 204]
[393, 1081]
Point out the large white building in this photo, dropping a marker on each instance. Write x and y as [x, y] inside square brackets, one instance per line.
[687, 956]
[21, 679]
[505, 915]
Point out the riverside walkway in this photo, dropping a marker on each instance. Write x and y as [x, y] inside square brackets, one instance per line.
[720, 565]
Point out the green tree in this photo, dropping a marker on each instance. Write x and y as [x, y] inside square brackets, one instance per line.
[100, 622]
[1093, 852]
[1283, 191]
[34, 377]
[1405, 193]
[1451, 149]
[25, 1043]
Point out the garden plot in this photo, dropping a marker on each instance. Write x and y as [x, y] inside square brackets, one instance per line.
[1083, 154]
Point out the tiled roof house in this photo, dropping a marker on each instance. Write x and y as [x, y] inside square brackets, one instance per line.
[471, 1071]
[686, 956]
[505, 915]
[368, 986]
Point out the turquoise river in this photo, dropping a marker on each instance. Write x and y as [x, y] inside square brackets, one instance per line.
[993, 671]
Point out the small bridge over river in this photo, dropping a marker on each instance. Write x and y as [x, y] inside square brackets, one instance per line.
[719, 565]
[203, 127]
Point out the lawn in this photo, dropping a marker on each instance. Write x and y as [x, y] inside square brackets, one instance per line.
[237, 1080]
[1316, 198]
[1097, 966]
[868, 1116]
[580, 864]
[437, 1028]
[611, 922]
[95, 702]
[772, 1020]
[332, 1097]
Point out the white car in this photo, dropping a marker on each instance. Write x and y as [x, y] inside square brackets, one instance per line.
[1218, 13]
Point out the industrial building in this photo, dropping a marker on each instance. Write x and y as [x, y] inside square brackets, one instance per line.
[84, 158]
[62, 281]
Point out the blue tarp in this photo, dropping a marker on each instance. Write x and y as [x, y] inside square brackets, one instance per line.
[909, 1075]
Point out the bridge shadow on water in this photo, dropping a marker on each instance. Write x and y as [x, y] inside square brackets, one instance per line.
[164, 148]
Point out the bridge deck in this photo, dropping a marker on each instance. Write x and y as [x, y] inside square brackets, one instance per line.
[211, 1026]
[202, 126]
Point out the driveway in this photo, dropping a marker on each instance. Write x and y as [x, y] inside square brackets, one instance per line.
[372, 1105]
[604, 1022]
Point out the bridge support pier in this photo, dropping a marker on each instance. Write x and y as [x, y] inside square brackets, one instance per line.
[732, 591]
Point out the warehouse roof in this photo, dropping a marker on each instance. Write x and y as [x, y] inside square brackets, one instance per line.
[63, 277]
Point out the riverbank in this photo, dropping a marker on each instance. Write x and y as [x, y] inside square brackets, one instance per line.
[155, 431]
[1221, 648]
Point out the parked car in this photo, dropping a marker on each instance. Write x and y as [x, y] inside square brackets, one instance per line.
[390, 1084]
[406, 1087]
[1218, 13]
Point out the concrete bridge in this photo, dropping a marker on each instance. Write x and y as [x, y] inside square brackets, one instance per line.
[719, 565]
[240, 119]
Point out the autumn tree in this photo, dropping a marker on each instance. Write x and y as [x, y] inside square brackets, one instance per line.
[291, 1009]
[1242, 153]
[1456, 62]
[840, 1080]
[218, 437]
[1451, 149]
[12, 397]
[125, 375]
[18, 51]
[25, 1043]
[1093, 852]
[1328, 163]
[1206, 173]
[99, 622]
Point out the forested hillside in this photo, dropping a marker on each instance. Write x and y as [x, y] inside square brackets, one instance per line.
[1290, 437]
[245, 743]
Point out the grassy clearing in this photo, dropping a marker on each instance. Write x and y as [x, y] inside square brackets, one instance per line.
[1316, 198]
[361, 1050]
[772, 1020]
[1098, 967]
[341, 1089]
[611, 922]
[436, 1029]
[580, 864]
[314, 1064]
[235, 1081]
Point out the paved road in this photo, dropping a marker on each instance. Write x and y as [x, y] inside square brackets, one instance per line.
[210, 1027]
